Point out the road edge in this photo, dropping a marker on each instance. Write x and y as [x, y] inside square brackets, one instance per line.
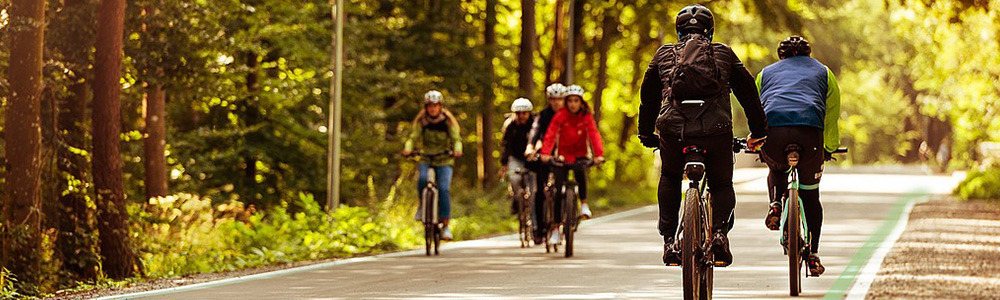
[857, 277]
[336, 263]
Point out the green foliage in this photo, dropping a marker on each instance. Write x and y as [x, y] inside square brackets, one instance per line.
[186, 234]
[980, 184]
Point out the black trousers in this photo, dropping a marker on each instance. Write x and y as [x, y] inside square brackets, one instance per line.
[541, 179]
[810, 168]
[718, 171]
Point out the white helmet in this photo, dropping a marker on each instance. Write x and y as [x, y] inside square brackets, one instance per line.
[555, 90]
[574, 90]
[433, 97]
[521, 104]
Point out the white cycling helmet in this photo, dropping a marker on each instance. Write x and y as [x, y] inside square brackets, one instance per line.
[574, 90]
[521, 104]
[433, 97]
[555, 90]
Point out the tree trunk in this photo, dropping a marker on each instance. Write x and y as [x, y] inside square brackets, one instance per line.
[486, 145]
[71, 34]
[609, 30]
[112, 223]
[576, 37]
[526, 59]
[155, 142]
[249, 192]
[554, 68]
[76, 243]
[22, 210]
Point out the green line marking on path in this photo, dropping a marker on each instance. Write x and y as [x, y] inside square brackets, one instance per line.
[846, 280]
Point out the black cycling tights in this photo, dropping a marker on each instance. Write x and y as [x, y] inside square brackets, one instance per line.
[810, 168]
[718, 172]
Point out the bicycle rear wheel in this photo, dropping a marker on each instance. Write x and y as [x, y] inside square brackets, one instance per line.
[794, 228]
[691, 246]
[569, 218]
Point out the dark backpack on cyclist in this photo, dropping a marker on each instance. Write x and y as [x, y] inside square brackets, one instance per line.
[690, 70]
[694, 73]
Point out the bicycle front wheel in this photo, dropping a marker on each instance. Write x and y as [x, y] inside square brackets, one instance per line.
[569, 219]
[691, 246]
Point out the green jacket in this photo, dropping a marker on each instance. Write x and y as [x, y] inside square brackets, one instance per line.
[435, 138]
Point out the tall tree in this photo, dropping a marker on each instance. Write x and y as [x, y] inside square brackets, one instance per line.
[71, 36]
[526, 61]
[154, 114]
[155, 141]
[116, 249]
[609, 32]
[485, 123]
[555, 66]
[22, 133]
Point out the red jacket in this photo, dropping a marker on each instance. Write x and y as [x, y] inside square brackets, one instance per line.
[572, 132]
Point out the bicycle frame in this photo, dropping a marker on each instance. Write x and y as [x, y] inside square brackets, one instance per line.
[793, 183]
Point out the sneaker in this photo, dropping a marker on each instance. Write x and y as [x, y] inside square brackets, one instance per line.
[815, 267]
[773, 218]
[556, 238]
[446, 234]
[720, 248]
[671, 257]
[539, 239]
[585, 211]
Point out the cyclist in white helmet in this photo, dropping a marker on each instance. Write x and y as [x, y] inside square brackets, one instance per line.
[556, 94]
[437, 131]
[515, 143]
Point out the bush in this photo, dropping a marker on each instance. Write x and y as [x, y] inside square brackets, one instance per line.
[185, 234]
[980, 184]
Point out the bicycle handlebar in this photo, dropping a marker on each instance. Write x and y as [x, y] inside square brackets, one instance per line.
[582, 161]
[431, 155]
[740, 145]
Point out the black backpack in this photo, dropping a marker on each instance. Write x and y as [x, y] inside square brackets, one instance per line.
[695, 74]
[690, 70]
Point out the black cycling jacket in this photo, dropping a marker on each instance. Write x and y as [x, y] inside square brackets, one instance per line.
[741, 83]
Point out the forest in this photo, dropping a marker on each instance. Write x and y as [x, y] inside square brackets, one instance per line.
[147, 139]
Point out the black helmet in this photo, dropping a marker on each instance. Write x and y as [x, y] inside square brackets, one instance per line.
[794, 46]
[695, 19]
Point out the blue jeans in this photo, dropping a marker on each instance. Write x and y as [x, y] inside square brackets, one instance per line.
[444, 187]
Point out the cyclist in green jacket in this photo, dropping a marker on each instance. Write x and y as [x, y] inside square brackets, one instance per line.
[437, 131]
[801, 99]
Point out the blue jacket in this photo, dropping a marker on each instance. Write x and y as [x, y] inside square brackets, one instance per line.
[801, 91]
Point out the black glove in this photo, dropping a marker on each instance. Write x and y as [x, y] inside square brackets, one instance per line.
[828, 156]
[650, 141]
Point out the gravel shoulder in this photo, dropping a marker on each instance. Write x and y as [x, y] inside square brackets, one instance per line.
[948, 251]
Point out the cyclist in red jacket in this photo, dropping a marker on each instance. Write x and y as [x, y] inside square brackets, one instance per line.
[571, 130]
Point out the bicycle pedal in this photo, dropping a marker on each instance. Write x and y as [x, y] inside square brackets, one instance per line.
[672, 265]
[720, 264]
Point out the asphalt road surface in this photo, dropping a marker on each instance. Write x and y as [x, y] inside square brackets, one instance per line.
[616, 257]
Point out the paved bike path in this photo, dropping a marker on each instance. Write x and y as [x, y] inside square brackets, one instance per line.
[615, 259]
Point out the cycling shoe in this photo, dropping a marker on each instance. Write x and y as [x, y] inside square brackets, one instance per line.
[815, 267]
[773, 218]
[720, 250]
[671, 257]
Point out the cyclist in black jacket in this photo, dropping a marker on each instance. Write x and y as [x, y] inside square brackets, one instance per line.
[556, 94]
[711, 129]
[516, 130]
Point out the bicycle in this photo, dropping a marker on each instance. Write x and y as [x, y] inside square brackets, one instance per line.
[795, 237]
[523, 200]
[429, 204]
[695, 230]
[570, 208]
